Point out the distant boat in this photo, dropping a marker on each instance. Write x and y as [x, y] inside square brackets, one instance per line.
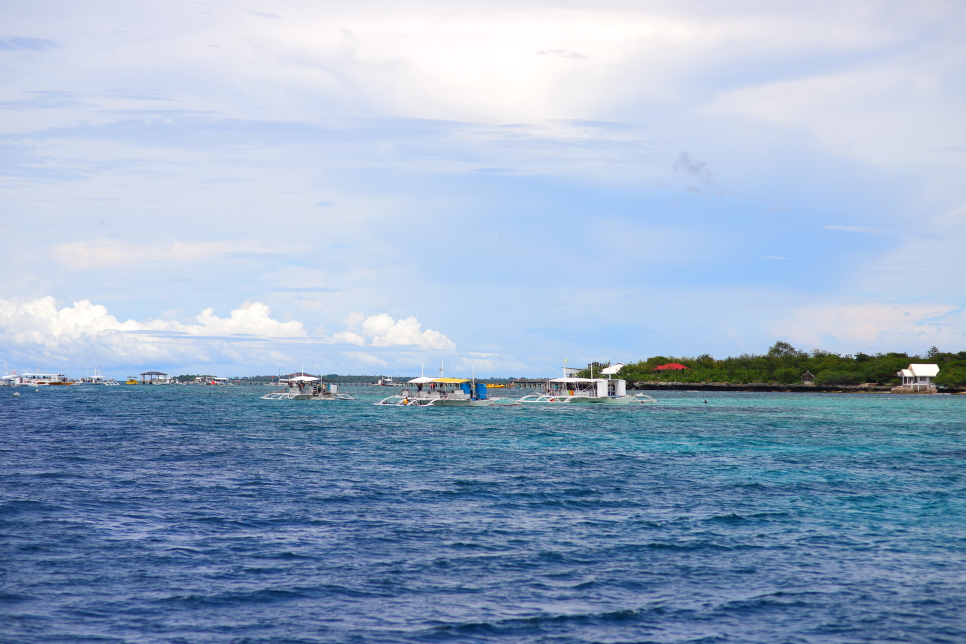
[494, 386]
[44, 379]
[210, 380]
[303, 387]
[131, 380]
[598, 391]
[97, 379]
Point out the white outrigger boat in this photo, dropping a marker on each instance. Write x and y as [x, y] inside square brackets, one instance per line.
[43, 380]
[440, 392]
[600, 391]
[97, 379]
[304, 387]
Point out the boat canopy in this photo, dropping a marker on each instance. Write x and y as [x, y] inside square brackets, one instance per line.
[576, 379]
[612, 370]
[420, 380]
[295, 379]
[449, 380]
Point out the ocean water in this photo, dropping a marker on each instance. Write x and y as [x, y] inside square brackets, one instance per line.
[207, 515]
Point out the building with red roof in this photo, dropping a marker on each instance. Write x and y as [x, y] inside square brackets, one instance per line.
[670, 365]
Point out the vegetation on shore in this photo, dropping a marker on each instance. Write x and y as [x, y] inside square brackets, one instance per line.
[784, 364]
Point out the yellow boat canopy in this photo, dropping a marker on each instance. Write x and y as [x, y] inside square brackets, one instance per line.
[450, 380]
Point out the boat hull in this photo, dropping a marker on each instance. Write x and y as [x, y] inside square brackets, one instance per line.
[318, 398]
[398, 401]
[581, 400]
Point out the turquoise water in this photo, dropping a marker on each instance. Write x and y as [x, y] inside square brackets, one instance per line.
[204, 514]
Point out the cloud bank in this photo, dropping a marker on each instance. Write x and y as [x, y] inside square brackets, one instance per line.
[40, 322]
[37, 331]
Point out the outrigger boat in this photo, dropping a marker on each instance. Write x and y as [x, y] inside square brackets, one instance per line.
[304, 387]
[44, 379]
[440, 392]
[601, 391]
[97, 379]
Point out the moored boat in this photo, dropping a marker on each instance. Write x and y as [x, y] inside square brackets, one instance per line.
[440, 392]
[596, 391]
[44, 379]
[96, 378]
[10, 379]
[303, 387]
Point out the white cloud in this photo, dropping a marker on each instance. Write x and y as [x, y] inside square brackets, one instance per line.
[384, 331]
[363, 358]
[39, 321]
[34, 332]
[349, 337]
[254, 319]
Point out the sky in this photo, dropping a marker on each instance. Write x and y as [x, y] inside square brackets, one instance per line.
[375, 187]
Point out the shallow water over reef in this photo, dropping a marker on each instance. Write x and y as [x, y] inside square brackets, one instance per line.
[205, 514]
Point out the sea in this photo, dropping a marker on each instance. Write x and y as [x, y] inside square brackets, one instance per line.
[204, 514]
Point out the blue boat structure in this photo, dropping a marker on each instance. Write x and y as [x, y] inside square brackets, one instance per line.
[440, 392]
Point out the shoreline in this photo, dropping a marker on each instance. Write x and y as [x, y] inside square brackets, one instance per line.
[764, 387]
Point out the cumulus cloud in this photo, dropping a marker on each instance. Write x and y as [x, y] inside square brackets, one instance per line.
[384, 331]
[36, 331]
[40, 322]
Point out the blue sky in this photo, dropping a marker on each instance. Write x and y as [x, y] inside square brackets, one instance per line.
[243, 187]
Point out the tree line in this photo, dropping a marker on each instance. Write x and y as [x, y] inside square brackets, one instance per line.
[784, 364]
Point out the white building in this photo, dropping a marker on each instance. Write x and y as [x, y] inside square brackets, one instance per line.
[919, 376]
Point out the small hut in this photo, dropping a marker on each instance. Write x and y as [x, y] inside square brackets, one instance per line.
[917, 378]
[807, 378]
[153, 377]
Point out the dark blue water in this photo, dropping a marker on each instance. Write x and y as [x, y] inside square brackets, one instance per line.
[204, 514]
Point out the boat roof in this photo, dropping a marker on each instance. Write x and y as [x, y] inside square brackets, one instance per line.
[420, 380]
[296, 378]
[575, 379]
[450, 380]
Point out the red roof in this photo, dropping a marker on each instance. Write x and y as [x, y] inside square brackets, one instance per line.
[670, 365]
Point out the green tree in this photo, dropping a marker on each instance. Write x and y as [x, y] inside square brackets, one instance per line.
[839, 378]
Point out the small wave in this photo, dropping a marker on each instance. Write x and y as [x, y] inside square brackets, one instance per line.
[16, 508]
